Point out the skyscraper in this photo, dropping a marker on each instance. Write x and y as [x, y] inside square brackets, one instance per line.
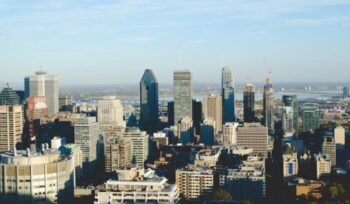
[182, 95]
[86, 134]
[110, 112]
[212, 109]
[207, 136]
[346, 91]
[291, 101]
[329, 148]
[11, 127]
[229, 133]
[311, 117]
[149, 119]
[185, 130]
[9, 97]
[268, 106]
[139, 145]
[117, 154]
[249, 103]
[197, 116]
[228, 96]
[255, 136]
[42, 84]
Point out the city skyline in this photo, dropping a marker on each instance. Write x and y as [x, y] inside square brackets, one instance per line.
[64, 38]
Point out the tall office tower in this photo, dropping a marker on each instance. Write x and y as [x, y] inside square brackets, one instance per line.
[249, 103]
[39, 177]
[208, 131]
[230, 133]
[139, 145]
[311, 117]
[291, 101]
[9, 97]
[195, 182]
[182, 95]
[87, 134]
[185, 130]
[247, 182]
[42, 84]
[268, 106]
[287, 120]
[77, 156]
[329, 148]
[212, 109]
[290, 163]
[323, 165]
[110, 112]
[228, 96]
[11, 127]
[197, 116]
[253, 135]
[170, 112]
[339, 135]
[346, 91]
[117, 154]
[149, 119]
[35, 109]
[65, 103]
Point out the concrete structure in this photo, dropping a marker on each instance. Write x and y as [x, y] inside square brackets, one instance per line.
[65, 103]
[288, 120]
[228, 96]
[110, 112]
[290, 163]
[46, 176]
[149, 119]
[86, 135]
[77, 155]
[182, 95]
[11, 127]
[42, 84]
[139, 145]
[253, 135]
[208, 157]
[230, 133]
[346, 91]
[292, 102]
[185, 130]
[268, 112]
[212, 109]
[9, 97]
[339, 135]
[195, 182]
[118, 154]
[323, 165]
[304, 187]
[311, 117]
[249, 103]
[137, 186]
[247, 182]
[208, 130]
[329, 148]
[57, 142]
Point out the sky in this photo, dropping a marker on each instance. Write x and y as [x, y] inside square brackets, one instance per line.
[112, 42]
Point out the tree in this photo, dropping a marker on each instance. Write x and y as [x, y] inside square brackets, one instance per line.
[221, 194]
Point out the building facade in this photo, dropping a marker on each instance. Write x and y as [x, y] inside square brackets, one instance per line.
[182, 95]
[268, 112]
[253, 135]
[139, 145]
[11, 127]
[249, 103]
[228, 95]
[212, 109]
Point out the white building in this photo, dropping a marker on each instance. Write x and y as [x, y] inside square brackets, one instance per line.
[185, 130]
[137, 186]
[208, 157]
[253, 135]
[139, 145]
[323, 165]
[230, 133]
[329, 148]
[42, 84]
[11, 127]
[110, 112]
[290, 165]
[339, 135]
[45, 176]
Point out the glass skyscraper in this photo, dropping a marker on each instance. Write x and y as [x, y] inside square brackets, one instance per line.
[291, 101]
[228, 96]
[249, 102]
[268, 106]
[182, 95]
[9, 97]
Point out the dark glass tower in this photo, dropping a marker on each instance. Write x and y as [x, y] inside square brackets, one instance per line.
[291, 101]
[197, 116]
[149, 120]
[9, 97]
[268, 120]
[249, 103]
[228, 96]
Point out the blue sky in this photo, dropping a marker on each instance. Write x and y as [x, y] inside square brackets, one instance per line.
[112, 42]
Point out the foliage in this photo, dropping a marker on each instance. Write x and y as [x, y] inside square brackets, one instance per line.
[221, 194]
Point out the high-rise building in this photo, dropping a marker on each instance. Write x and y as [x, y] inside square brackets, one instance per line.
[346, 91]
[149, 119]
[339, 135]
[36, 108]
[212, 109]
[9, 97]
[329, 148]
[291, 101]
[110, 112]
[207, 136]
[310, 117]
[117, 154]
[77, 156]
[86, 134]
[247, 182]
[253, 135]
[229, 133]
[65, 103]
[268, 113]
[32, 177]
[287, 119]
[185, 130]
[11, 127]
[170, 112]
[323, 165]
[182, 95]
[139, 145]
[42, 84]
[249, 103]
[290, 163]
[197, 116]
[195, 182]
[228, 96]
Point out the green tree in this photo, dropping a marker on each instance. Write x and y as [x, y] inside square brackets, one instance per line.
[221, 194]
